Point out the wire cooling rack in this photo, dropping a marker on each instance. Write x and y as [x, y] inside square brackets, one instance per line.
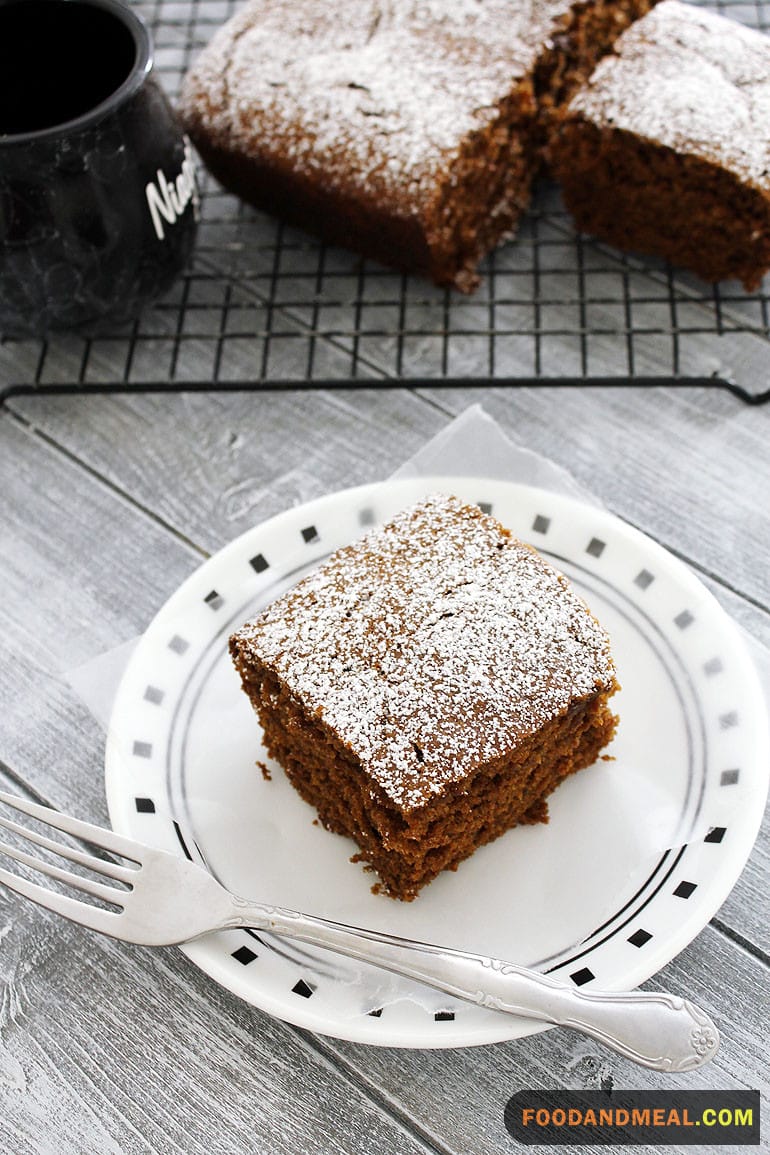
[265, 305]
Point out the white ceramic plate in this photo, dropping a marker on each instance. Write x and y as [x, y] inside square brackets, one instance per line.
[640, 850]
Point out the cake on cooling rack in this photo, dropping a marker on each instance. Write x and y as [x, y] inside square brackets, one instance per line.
[409, 132]
[666, 149]
[428, 687]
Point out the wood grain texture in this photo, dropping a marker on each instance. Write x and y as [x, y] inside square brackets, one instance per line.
[215, 463]
[109, 504]
[107, 1048]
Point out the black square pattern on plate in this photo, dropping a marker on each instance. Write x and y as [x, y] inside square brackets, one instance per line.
[303, 989]
[142, 749]
[596, 547]
[685, 889]
[541, 524]
[716, 834]
[729, 777]
[244, 955]
[639, 937]
[145, 805]
[644, 579]
[309, 533]
[583, 976]
[154, 695]
[258, 563]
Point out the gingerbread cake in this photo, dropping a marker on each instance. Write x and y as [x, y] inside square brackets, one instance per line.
[408, 131]
[666, 149]
[428, 687]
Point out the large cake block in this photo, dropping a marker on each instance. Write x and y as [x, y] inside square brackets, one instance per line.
[407, 131]
[428, 687]
[666, 149]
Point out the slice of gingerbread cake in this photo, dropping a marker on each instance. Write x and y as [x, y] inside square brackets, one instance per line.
[409, 132]
[666, 149]
[428, 687]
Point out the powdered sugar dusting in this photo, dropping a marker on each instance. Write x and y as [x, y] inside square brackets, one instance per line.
[374, 95]
[433, 644]
[692, 81]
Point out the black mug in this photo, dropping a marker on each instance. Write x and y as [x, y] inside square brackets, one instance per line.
[98, 203]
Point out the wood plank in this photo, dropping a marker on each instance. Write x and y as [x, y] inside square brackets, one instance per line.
[212, 465]
[208, 464]
[108, 1048]
[82, 570]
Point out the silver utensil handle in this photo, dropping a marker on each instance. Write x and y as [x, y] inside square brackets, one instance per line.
[657, 1030]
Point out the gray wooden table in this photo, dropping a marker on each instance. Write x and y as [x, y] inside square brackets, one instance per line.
[111, 499]
[108, 503]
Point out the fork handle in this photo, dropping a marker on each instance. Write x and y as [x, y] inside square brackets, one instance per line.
[655, 1029]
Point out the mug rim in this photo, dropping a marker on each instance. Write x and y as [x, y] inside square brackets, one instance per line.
[142, 66]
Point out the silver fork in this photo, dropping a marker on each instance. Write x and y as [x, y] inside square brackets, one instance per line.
[171, 900]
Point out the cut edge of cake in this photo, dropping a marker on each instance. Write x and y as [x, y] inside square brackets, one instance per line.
[662, 151]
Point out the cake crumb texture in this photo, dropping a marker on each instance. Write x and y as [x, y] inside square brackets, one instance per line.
[428, 686]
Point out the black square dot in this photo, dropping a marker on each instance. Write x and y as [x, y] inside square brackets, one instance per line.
[685, 889]
[684, 619]
[485, 506]
[595, 547]
[309, 533]
[243, 955]
[154, 695]
[583, 976]
[729, 720]
[716, 834]
[713, 666]
[214, 600]
[644, 579]
[729, 777]
[541, 524]
[303, 989]
[376, 1014]
[366, 517]
[444, 1016]
[145, 805]
[639, 937]
[142, 749]
[178, 645]
[259, 563]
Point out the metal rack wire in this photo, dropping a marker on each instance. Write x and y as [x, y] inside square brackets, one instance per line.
[264, 304]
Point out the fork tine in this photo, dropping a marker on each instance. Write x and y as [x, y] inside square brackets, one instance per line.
[93, 917]
[96, 835]
[88, 885]
[99, 865]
